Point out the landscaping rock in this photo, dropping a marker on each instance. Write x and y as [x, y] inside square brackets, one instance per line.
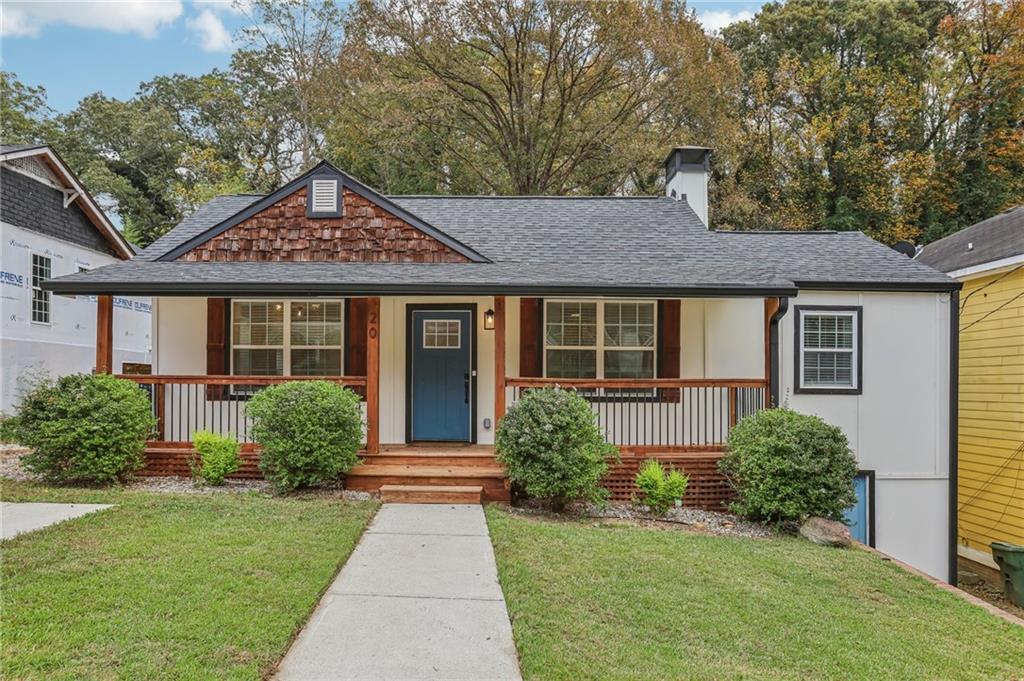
[826, 532]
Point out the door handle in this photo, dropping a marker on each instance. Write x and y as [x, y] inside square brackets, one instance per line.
[465, 385]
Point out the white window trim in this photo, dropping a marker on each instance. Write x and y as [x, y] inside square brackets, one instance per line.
[854, 351]
[286, 347]
[33, 288]
[458, 335]
[600, 347]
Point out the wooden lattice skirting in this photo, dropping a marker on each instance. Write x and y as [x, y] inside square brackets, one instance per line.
[707, 489]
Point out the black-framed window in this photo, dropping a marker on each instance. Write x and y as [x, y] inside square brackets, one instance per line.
[42, 268]
[829, 353]
[287, 337]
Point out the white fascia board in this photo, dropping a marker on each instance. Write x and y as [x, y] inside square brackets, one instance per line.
[987, 268]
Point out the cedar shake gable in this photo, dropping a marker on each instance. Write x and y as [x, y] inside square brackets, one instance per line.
[283, 227]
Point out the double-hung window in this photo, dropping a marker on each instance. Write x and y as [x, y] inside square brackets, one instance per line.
[286, 337]
[597, 339]
[828, 349]
[41, 271]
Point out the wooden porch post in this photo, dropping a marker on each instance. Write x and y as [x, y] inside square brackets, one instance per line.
[499, 359]
[104, 334]
[373, 375]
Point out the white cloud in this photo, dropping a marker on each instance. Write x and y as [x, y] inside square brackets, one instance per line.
[143, 17]
[213, 36]
[717, 19]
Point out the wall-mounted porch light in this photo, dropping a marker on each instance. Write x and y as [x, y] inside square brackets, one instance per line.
[489, 320]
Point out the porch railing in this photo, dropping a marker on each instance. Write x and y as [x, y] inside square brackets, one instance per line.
[183, 405]
[661, 414]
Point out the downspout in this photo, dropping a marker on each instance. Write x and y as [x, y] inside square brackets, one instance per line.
[954, 417]
[774, 387]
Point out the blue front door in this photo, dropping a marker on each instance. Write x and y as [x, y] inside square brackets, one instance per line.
[441, 375]
[857, 516]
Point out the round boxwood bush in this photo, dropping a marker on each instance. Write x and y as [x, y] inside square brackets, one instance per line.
[552, 448]
[786, 466]
[85, 428]
[309, 432]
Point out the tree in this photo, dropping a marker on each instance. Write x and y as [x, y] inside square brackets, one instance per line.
[297, 41]
[24, 114]
[897, 117]
[525, 96]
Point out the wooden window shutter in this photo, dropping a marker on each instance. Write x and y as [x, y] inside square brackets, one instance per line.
[216, 344]
[669, 344]
[531, 347]
[355, 336]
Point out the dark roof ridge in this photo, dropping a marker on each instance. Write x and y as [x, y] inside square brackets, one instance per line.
[786, 231]
[517, 196]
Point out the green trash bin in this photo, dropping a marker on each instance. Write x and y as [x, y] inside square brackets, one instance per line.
[1010, 559]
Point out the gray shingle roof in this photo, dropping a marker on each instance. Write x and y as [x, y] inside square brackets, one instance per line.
[212, 212]
[11, 148]
[555, 243]
[998, 237]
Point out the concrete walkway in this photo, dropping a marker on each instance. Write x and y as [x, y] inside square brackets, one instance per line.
[418, 599]
[17, 518]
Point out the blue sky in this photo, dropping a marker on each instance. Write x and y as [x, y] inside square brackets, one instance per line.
[79, 47]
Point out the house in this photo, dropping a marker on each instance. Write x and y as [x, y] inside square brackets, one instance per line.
[50, 226]
[989, 259]
[442, 310]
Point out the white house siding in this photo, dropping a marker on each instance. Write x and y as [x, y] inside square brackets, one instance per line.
[899, 425]
[68, 343]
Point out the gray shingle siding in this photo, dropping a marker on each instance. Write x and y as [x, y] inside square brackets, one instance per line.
[35, 206]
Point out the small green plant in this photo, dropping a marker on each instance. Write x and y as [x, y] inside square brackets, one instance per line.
[309, 432]
[8, 428]
[786, 466]
[551, 447]
[84, 428]
[660, 490]
[216, 457]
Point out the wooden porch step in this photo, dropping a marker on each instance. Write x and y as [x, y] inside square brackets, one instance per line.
[432, 494]
[376, 469]
[431, 458]
[372, 477]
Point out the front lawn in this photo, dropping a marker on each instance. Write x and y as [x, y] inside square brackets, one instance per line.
[612, 602]
[197, 586]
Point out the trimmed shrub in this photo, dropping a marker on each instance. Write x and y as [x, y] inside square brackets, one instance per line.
[309, 431]
[660, 490]
[217, 457]
[786, 466]
[85, 428]
[552, 448]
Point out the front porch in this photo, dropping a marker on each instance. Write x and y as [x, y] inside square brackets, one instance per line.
[676, 410]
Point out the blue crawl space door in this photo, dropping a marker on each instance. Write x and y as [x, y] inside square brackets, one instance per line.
[858, 516]
[441, 375]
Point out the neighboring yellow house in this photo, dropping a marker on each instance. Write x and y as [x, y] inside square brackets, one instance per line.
[989, 259]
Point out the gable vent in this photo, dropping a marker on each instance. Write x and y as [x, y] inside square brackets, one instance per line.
[324, 197]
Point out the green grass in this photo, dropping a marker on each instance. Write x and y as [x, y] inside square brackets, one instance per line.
[601, 602]
[167, 586]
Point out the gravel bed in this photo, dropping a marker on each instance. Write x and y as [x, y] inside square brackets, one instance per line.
[11, 468]
[693, 519]
[10, 463]
[187, 485]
